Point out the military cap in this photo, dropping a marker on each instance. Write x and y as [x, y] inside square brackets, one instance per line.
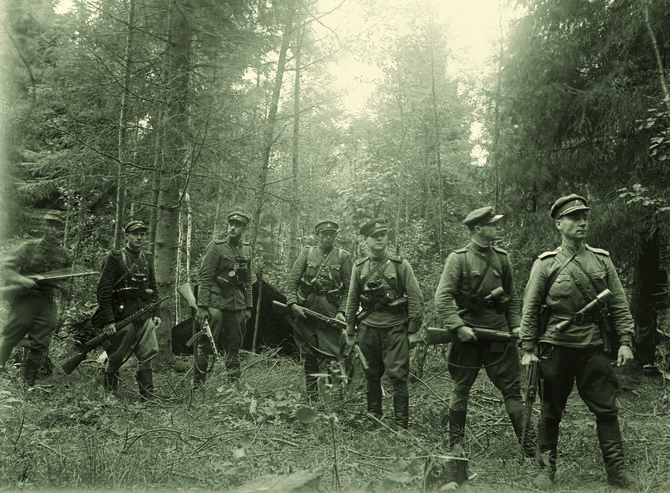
[478, 217]
[135, 226]
[55, 216]
[373, 226]
[326, 226]
[238, 216]
[568, 205]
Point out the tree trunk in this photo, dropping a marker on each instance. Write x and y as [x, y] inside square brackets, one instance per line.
[269, 136]
[123, 131]
[178, 59]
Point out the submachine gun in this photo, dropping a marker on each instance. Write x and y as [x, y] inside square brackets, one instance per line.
[70, 364]
[187, 293]
[333, 322]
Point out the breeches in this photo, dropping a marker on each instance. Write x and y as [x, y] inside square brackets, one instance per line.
[590, 368]
[312, 334]
[32, 315]
[228, 329]
[144, 346]
[387, 350]
[502, 367]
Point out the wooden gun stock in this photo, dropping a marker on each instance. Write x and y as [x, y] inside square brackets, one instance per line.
[70, 364]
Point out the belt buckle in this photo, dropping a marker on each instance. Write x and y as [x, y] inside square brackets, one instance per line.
[579, 318]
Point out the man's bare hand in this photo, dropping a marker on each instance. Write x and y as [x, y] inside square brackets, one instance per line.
[412, 339]
[624, 356]
[201, 315]
[298, 311]
[340, 316]
[528, 357]
[109, 329]
[156, 321]
[466, 334]
[26, 282]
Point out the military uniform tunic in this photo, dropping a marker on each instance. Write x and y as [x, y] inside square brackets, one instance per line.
[224, 288]
[127, 284]
[574, 354]
[319, 281]
[383, 332]
[31, 311]
[469, 276]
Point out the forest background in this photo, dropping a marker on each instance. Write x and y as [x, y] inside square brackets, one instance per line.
[177, 112]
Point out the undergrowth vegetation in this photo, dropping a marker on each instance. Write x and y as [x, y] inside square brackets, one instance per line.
[67, 433]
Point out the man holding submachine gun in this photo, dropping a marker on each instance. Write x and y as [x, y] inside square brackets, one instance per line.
[571, 293]
[476, 292]
[319, 283]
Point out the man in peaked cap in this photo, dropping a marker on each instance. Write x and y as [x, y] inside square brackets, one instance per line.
[31, 308]
[477, 289]
[392, 305]
[128, 284]
[572, 347]
[319, 281]
[224, 298]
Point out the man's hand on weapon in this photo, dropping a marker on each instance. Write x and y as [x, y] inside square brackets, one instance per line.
[340, 316]
[412, 339]
[298, 311]
[515, 330]
[26, 282]
[109, 329]
[624, 355]
[529, 357]
[466, 334]
[201, 315]
[156, 321]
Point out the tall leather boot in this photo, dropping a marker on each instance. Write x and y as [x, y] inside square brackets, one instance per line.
[110, 381]
[311, 382]
[199, 369]
[401, 410]
[548, 448]
[374, 397]
[457, 420]
[31, 367]
[527, 440]
[609, 436]
[145, 379]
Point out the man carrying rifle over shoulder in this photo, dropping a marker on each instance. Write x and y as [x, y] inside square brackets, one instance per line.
[477, 290]
[224, 298]
[128, 284]
[570, 340]
[319, 281]
[31, 308]
[392, 305]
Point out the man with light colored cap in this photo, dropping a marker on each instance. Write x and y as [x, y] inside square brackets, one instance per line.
[31, 307]
[477, 289]
[386, 291]
[571, 346]
[319, 281]
[127, 284]
[224, 298]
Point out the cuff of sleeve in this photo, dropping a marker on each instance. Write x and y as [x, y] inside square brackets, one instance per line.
[626, 338]
[528, 346]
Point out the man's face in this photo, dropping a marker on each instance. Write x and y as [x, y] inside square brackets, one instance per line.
[376, 242]
[490, 232]
[326, 238]
[135, 239]
[574, 226]
[235, 229]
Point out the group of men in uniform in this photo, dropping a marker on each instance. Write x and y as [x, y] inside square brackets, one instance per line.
[379, 301]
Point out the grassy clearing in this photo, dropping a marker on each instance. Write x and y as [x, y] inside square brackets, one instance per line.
[69, 434]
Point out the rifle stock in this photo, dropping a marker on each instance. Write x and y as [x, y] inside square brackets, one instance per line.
[71, 363]
[438, 335]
